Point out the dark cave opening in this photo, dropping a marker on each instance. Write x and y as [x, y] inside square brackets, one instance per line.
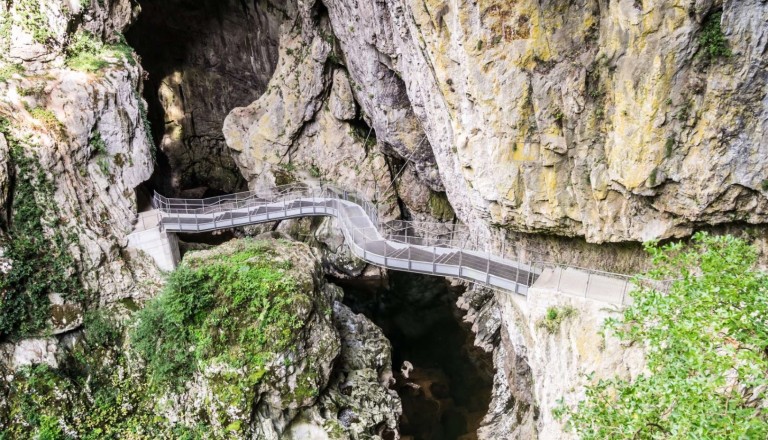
[202, 59]
[418, 314]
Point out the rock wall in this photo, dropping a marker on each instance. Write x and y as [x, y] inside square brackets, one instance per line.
[330, 382]
[543, 361]
[607, 120]
[84, 130]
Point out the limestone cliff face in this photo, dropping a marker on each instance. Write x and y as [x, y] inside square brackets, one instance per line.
[611, 120]
[543, 363]
[83, 130]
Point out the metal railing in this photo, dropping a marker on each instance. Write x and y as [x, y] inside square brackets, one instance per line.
[432, 248]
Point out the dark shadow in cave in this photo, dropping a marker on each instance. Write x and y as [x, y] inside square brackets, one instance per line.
[418, 315]
[216, 55]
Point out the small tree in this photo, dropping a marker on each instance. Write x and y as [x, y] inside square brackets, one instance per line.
[707, 342]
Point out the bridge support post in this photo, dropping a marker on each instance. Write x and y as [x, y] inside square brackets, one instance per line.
[161, 246]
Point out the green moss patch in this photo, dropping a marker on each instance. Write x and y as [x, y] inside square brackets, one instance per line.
[237, 309]
[38, 247]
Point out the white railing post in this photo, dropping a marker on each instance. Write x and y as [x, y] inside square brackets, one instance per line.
[586, 288]
[488, 268]
[434, 257]
[409, 257]
[461, 253]
[386, 262]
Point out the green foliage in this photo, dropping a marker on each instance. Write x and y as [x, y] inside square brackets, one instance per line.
[706, 342]
[764, 185]
[147, 126]
[440, 207]
[48, 118]
[34, 20]
[42, 263]
[237, 309]
[93, 399]
[712, 42]
[314, 171]
[669, 146]
[97, 144]
[10, 69]
[100, 329]
[49, 429]
[87, 53]
[555, 317]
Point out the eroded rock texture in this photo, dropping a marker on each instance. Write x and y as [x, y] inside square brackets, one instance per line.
[607, 120]
[83, 131]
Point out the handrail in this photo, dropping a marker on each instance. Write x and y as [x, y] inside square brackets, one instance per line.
[401, 245]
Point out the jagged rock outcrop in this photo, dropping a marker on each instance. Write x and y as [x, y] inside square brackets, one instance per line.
[329, 376]
[543, 363]
[82, 130]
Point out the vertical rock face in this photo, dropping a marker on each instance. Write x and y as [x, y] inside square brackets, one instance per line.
[83, 130]
[543, 362]
[620, 121]
[204, 58]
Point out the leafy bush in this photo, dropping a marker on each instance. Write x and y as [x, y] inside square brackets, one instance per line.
[101, 329]
[554, 317]
[237, 309]
[96, 403]
[8, 70]
[88, 54]
[34, 20]
[706, 342]
[48, 118]
[712, 42]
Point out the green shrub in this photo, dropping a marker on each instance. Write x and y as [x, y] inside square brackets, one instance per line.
[706, 340]
[101, 329]
[48, 118]
[237, 309]
[33, 20]
[87, 53]
[555, 317]
[8, 70]
[49, 429]
[712, 42]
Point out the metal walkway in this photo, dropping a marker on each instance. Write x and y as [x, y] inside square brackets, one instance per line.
[429, 248]
[399, 246]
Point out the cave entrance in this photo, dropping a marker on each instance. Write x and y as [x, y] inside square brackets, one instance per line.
[202, 59]
[449, 390]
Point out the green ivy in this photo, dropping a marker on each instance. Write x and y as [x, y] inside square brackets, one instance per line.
[42, 263]
[706, 342]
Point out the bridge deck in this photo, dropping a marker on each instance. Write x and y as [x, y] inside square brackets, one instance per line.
[406, 248]
[362, 234]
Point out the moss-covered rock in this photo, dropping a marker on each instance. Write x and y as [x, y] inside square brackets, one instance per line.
[245, 341]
